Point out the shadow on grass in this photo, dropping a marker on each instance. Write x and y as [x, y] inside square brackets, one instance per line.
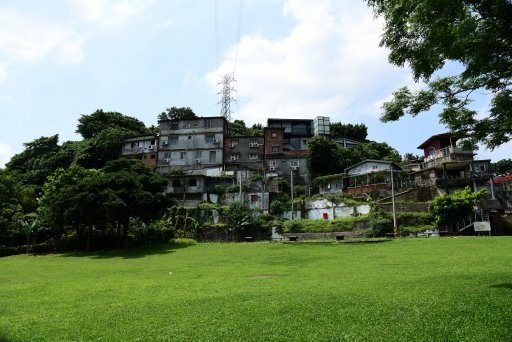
[130, 253]
[502, 286]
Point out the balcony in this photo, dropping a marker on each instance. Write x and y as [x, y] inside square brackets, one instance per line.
[447, 154]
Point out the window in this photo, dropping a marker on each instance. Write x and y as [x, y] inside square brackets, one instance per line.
[152, 142]
[167, 155]
[173, 140]
[274, 134]
[189, 137]
[294, 163]
[207, 123]
[198, 154]
[234, 141]
[253, 155]
[275, 149]
[272, 163]
[175, 125]
[212, 157]
[253, 141]
[176, 183]
[192, 182]
[183, 155]
[209, 138]
[375, 166]
[255, 198]
[304, 141]
[152, 156]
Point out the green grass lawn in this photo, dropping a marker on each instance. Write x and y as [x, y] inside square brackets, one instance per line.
[444, 289]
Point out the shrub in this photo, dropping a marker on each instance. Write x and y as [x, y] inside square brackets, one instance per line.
[182, 241]
[415, 229]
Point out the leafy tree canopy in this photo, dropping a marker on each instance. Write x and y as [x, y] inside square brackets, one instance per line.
[238, 128]
[426, 34]
[502, 166]
[450, 209]
[177, 113]
[357, 131]
[89, 126]
[327, 157]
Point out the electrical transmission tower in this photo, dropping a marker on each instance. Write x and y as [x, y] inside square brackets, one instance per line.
[227, 89]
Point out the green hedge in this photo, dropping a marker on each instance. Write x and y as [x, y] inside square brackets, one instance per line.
[342, 224]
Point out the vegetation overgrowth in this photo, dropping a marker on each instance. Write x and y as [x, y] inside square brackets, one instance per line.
[450, 289]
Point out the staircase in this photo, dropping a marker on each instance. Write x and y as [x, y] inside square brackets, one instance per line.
[478, 216]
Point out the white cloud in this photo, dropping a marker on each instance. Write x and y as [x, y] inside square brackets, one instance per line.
[5, 154]
[3, 73]
[165, 25]
[61, 33]
[329, 64]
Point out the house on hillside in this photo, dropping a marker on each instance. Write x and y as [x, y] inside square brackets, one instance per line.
[372, 175]
[447, 166]
[142, 147]
[191, 156]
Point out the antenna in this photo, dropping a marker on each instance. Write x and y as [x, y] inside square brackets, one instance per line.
[225, 93]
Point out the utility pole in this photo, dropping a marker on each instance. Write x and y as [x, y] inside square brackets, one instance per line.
[226, 98]
[393, 200]
[291, 181]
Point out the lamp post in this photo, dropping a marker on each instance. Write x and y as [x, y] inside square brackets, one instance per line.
[393, 200]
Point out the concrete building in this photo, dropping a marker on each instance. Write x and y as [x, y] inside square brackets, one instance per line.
[372, 175]
[447, 166]
[191, 156]
[143, 147]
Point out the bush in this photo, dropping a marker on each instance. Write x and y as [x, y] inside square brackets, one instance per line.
[414, 218]
[6, 251]
[277, 207]
[379, 224]
[182, 241]
[415, 229]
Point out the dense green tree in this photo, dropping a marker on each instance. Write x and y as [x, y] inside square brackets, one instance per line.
[90, 199]
[11, 211]
[377, 151]
[177, 113]
[502, 166]
[91, 125]
[239, 128]
[450, 209]
[324, 157]
[354, 131]
[130, 189]
[39, 159]
[425, 35]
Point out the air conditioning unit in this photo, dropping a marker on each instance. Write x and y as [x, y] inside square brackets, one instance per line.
[165, 142]
[215, 141]
[166, 161]
[198, 161]
[256, 145]
[234, 158]
[251, 145]
[232, 145]
[272, 168]
[150, 147]
[294, 168]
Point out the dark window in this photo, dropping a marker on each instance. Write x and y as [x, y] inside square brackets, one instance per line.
[275, 149]
[176, 183]
[153, 142]
[175, 125]
[153, 156]
[192, 182]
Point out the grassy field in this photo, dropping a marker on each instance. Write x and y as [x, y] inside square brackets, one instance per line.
[444, 289]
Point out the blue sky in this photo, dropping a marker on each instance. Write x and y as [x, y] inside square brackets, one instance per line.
[60, 59]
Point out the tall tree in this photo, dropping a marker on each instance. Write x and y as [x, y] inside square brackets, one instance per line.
[39, 159]
[323, 157]
[90, 125]
[177, 113]
[239, 128]
[502, 166]
[355, 131]
[426, 34]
